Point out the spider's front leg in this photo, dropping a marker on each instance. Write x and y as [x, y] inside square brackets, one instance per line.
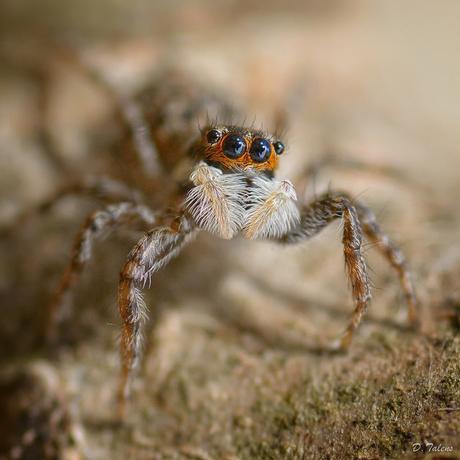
[317, 215]
[274, 215]
[213, 203]
[151, 253]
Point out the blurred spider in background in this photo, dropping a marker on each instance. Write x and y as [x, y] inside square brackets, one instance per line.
[218, 179]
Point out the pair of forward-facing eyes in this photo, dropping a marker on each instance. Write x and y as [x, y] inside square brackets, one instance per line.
[234, 145]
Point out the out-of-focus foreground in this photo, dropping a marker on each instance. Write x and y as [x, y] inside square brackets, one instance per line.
[231, 368]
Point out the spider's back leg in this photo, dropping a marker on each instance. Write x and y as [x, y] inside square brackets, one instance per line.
[97, 225]
[102, 188]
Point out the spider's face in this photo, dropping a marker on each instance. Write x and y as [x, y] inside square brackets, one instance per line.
[237, 148]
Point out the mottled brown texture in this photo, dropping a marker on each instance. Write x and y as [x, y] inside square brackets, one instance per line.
[35, 422]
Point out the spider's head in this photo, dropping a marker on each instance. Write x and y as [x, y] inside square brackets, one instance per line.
[237, 148]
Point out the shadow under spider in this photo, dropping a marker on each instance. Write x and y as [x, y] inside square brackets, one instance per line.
[283, 341]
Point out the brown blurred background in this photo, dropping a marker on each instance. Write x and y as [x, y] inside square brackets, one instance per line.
[230, 369]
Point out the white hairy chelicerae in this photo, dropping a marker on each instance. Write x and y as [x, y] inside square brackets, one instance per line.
[216, 203]
[273, 210]
[226, 204]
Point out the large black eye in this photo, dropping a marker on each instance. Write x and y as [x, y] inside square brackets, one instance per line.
[213, 136]
[279, 147]
[234, 146]
[260, 150]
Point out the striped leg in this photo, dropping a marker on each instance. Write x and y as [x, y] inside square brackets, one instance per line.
[102, 188]
[357, 219]
[97, 224]
[314, 218]
[128, 110]
[394, 256]
[151, 253]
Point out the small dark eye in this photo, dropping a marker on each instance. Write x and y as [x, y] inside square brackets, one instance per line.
[279, 147]
[234, 146]
[213, 136]
[260, 150]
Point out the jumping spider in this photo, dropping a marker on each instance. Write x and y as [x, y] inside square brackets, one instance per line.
[231, 190]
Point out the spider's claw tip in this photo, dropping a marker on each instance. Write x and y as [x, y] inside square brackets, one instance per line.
[413, 319]
[414, 324]
[339, 345]
[121, 412]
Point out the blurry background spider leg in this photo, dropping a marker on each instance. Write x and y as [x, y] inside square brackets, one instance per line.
[291, 106]
[102, 188]
[307, 181]
[98, 224]
[129, 111]
[314, 218]
[133, 117]
[394, 256]
[154, 250]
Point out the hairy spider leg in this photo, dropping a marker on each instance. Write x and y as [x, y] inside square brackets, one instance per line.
[154, 250]
[100, 187]
[314, 217]
[128, 110]
[133, 116]
[338, 205]
[98, 224]
[308, 178]
[394, 256]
